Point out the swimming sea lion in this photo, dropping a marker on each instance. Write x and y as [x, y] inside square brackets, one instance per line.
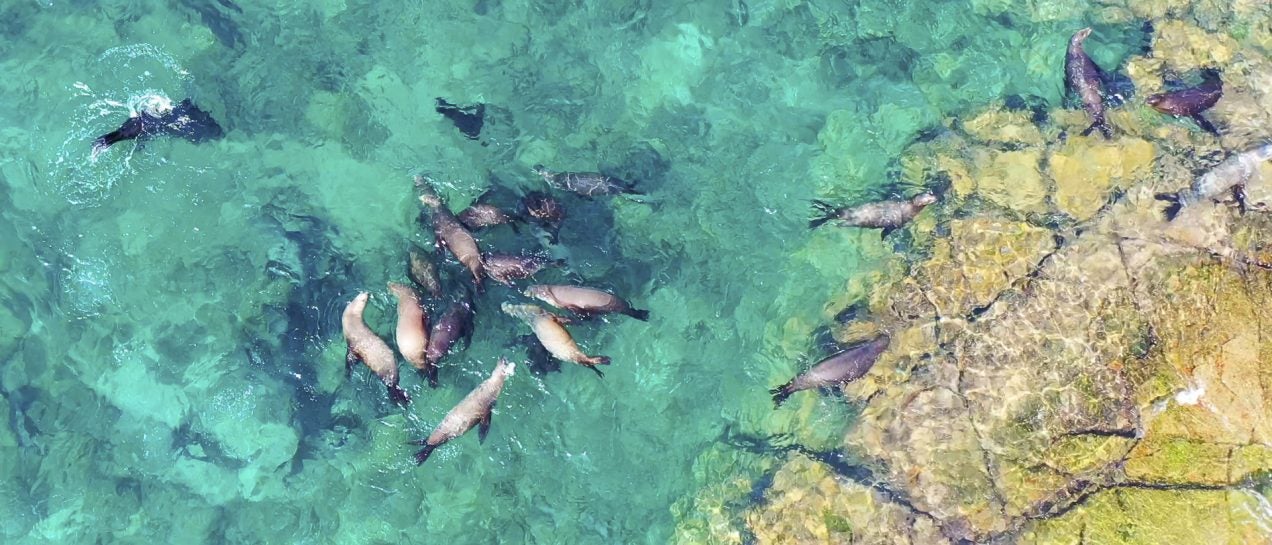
[450, 233]
[185, 120]
[468, 119]
[455, 324]
[1192, 101]
[473, 410]
[1083, 77]
[842, 367]
[584, 301]
[412, 326]
[364, 345]
[553, 336]
[888, 215]
[504, 268]
[587, 184]
[481, 215]
[422, 272]
[1229, 176]
[546, 210]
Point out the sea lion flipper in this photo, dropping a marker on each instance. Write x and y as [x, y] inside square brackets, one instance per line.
[1238, 193]
[1171, 209]
[781, 393]
[351, 360]
[1205, 124]
[886, 231]
[431, 374]
[483, 427]
[598, 372]
[424, 453]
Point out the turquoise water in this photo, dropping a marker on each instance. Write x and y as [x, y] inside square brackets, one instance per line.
[173, 364]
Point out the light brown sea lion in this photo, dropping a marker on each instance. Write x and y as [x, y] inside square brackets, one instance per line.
[584, 301]
[455, 324]
[1230, 176]
[552, 335]
[412, 326]
[473, 410]
[504, 268]
[888, 215]
[587, 184]
[1083, 77]
[450, 233]
[365, 346]
[422, 272]
[839, 368]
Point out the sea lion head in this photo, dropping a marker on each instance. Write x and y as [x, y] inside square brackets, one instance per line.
[506, 367]
[524, 312]
[923, 199]
[1080, 36]
[536, 291]
[428, 197]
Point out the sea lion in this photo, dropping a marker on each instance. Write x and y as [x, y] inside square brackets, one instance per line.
[184, 120]
[412, 326]
[455, 324]
[364, 345]
[548, 211]
[552, 335]
[468, 119]
[473, 410]
[839, 368]
[504, 268]
[1192, 101]
[584, 301]
[1083, 77]
[481, 215]
[422, 272]
[1230, 176]
[888, 215]
[450, 233]
[587, 184]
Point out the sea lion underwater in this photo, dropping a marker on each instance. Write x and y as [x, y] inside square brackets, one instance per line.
[549, 212]
[364, 345]
[468, 119]
[888, 215]
[504, 268]
[839, 368]
[584, 301]
[552, 335]
[1192, 101]
[422, 272]
[1083, 76]
[481, 215]
[455, 324]
[1230, 176]
[474, 410]
[450, 233]
[184, 120]
[412, 326]
[587, 184]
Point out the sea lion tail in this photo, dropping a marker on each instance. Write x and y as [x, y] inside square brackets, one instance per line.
[424, 453]
[780, 394]
[827, 211]
[398, 395]
[1104, 129]
[1171, 209]
[639, 314]
[431, 375]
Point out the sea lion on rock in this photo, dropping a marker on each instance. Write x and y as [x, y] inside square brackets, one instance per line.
[504, 268]
[422, 272]
[451, 234]
[1192, 101]
[842, 367]
[584, 301]
[474, 410]
[364, 345]
[1083, 76]
[412, 326]
[587, 184]
[1230, 176]
[455, 324]
[184, 120]
[552, 335]
[888, 215]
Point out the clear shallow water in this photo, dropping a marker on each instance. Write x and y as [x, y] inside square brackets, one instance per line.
[173, 363]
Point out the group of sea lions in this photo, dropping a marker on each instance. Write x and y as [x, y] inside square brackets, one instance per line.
[425, 348]
[1224, 183]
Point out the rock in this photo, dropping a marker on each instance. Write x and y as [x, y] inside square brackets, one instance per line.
[1012, 179]
[1185, 48]
[1085, 170]
[996, 125]
[981, 258]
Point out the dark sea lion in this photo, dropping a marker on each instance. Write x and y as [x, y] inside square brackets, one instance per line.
[473, 410]
[455, 324]
[548, 211]
[184, 120]
[412, 326]
[587, 184]
[450, 233]
[468, 119]
[504, 268]
[584, 301]
[364, 345]
[1230, 177]
[839, 368]
[1083, 77]
[422, 272]
[553, 336]
[1192, 101]
[886, 215]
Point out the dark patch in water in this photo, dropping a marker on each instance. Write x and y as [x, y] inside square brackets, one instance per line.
[218, 18]
[468, 119]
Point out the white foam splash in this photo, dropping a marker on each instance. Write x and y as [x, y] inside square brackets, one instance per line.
[1191, 395]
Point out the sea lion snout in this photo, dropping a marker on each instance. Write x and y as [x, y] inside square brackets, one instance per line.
[1082, 34]
[924, 199]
